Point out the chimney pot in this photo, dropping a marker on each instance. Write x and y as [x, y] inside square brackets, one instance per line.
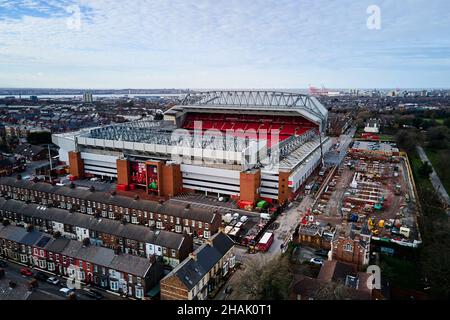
[193, 256]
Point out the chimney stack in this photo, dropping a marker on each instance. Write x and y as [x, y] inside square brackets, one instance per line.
[193, 256]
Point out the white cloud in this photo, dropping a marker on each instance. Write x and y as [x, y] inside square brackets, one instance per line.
[224, 42]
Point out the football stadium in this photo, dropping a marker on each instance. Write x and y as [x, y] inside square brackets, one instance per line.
[247, 145]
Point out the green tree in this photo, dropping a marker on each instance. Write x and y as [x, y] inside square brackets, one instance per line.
[408, 139]
[438, 137]
[425, 170]
[447, 122]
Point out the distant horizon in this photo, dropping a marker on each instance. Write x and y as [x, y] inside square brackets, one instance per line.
[223, 89]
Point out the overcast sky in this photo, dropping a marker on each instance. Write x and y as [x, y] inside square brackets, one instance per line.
[224, 44]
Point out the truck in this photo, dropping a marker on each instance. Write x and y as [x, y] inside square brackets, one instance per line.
[266, 241]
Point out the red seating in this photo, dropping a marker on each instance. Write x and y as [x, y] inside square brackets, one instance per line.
[240, 126]
[189, 125]
[227, 126]
[301, 131]
[275, 127]
[286, 125]
[253, 126]
[208, 125]
[288, 129]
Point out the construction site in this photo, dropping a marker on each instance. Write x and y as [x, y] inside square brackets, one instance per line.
[374, 193]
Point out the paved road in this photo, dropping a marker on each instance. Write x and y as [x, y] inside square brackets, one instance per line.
[437, 184]
[21, 292]
[31, 167]
[219, 207]
[44, 291]
[288, 221]
[333, 158]
[98, 185]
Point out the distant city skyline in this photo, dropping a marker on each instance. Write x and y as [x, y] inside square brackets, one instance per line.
[156, 89]
[104, 44]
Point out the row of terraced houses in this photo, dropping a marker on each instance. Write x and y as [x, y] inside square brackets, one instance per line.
[199, 222]
[102, 267]
[91, 225]
[127, 238]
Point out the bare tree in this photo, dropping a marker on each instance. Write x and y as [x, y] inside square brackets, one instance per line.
[333, 291]
[265, 279]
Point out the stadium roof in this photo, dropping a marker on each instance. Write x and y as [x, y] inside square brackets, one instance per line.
[248, 99]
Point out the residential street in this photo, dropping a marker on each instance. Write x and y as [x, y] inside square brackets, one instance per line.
[44, 291]
[288, 221]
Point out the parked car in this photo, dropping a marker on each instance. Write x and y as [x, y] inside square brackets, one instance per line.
[316, 261]
[91, 293]
[53, 280]
[41, 276]
[3, 264]
[229, 290]
[66, 291]
[26, 272]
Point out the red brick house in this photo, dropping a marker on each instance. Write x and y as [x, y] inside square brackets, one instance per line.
[351, 246]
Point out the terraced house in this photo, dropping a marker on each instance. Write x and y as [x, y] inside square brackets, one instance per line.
[122, 273]
[199, 276]
[199, 222]
[123, 237]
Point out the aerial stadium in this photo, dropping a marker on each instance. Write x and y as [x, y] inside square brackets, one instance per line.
[248, 145]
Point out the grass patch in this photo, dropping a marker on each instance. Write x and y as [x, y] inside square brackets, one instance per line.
[434, 261]
[416, 163]
[439, 158]
[439, 121]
